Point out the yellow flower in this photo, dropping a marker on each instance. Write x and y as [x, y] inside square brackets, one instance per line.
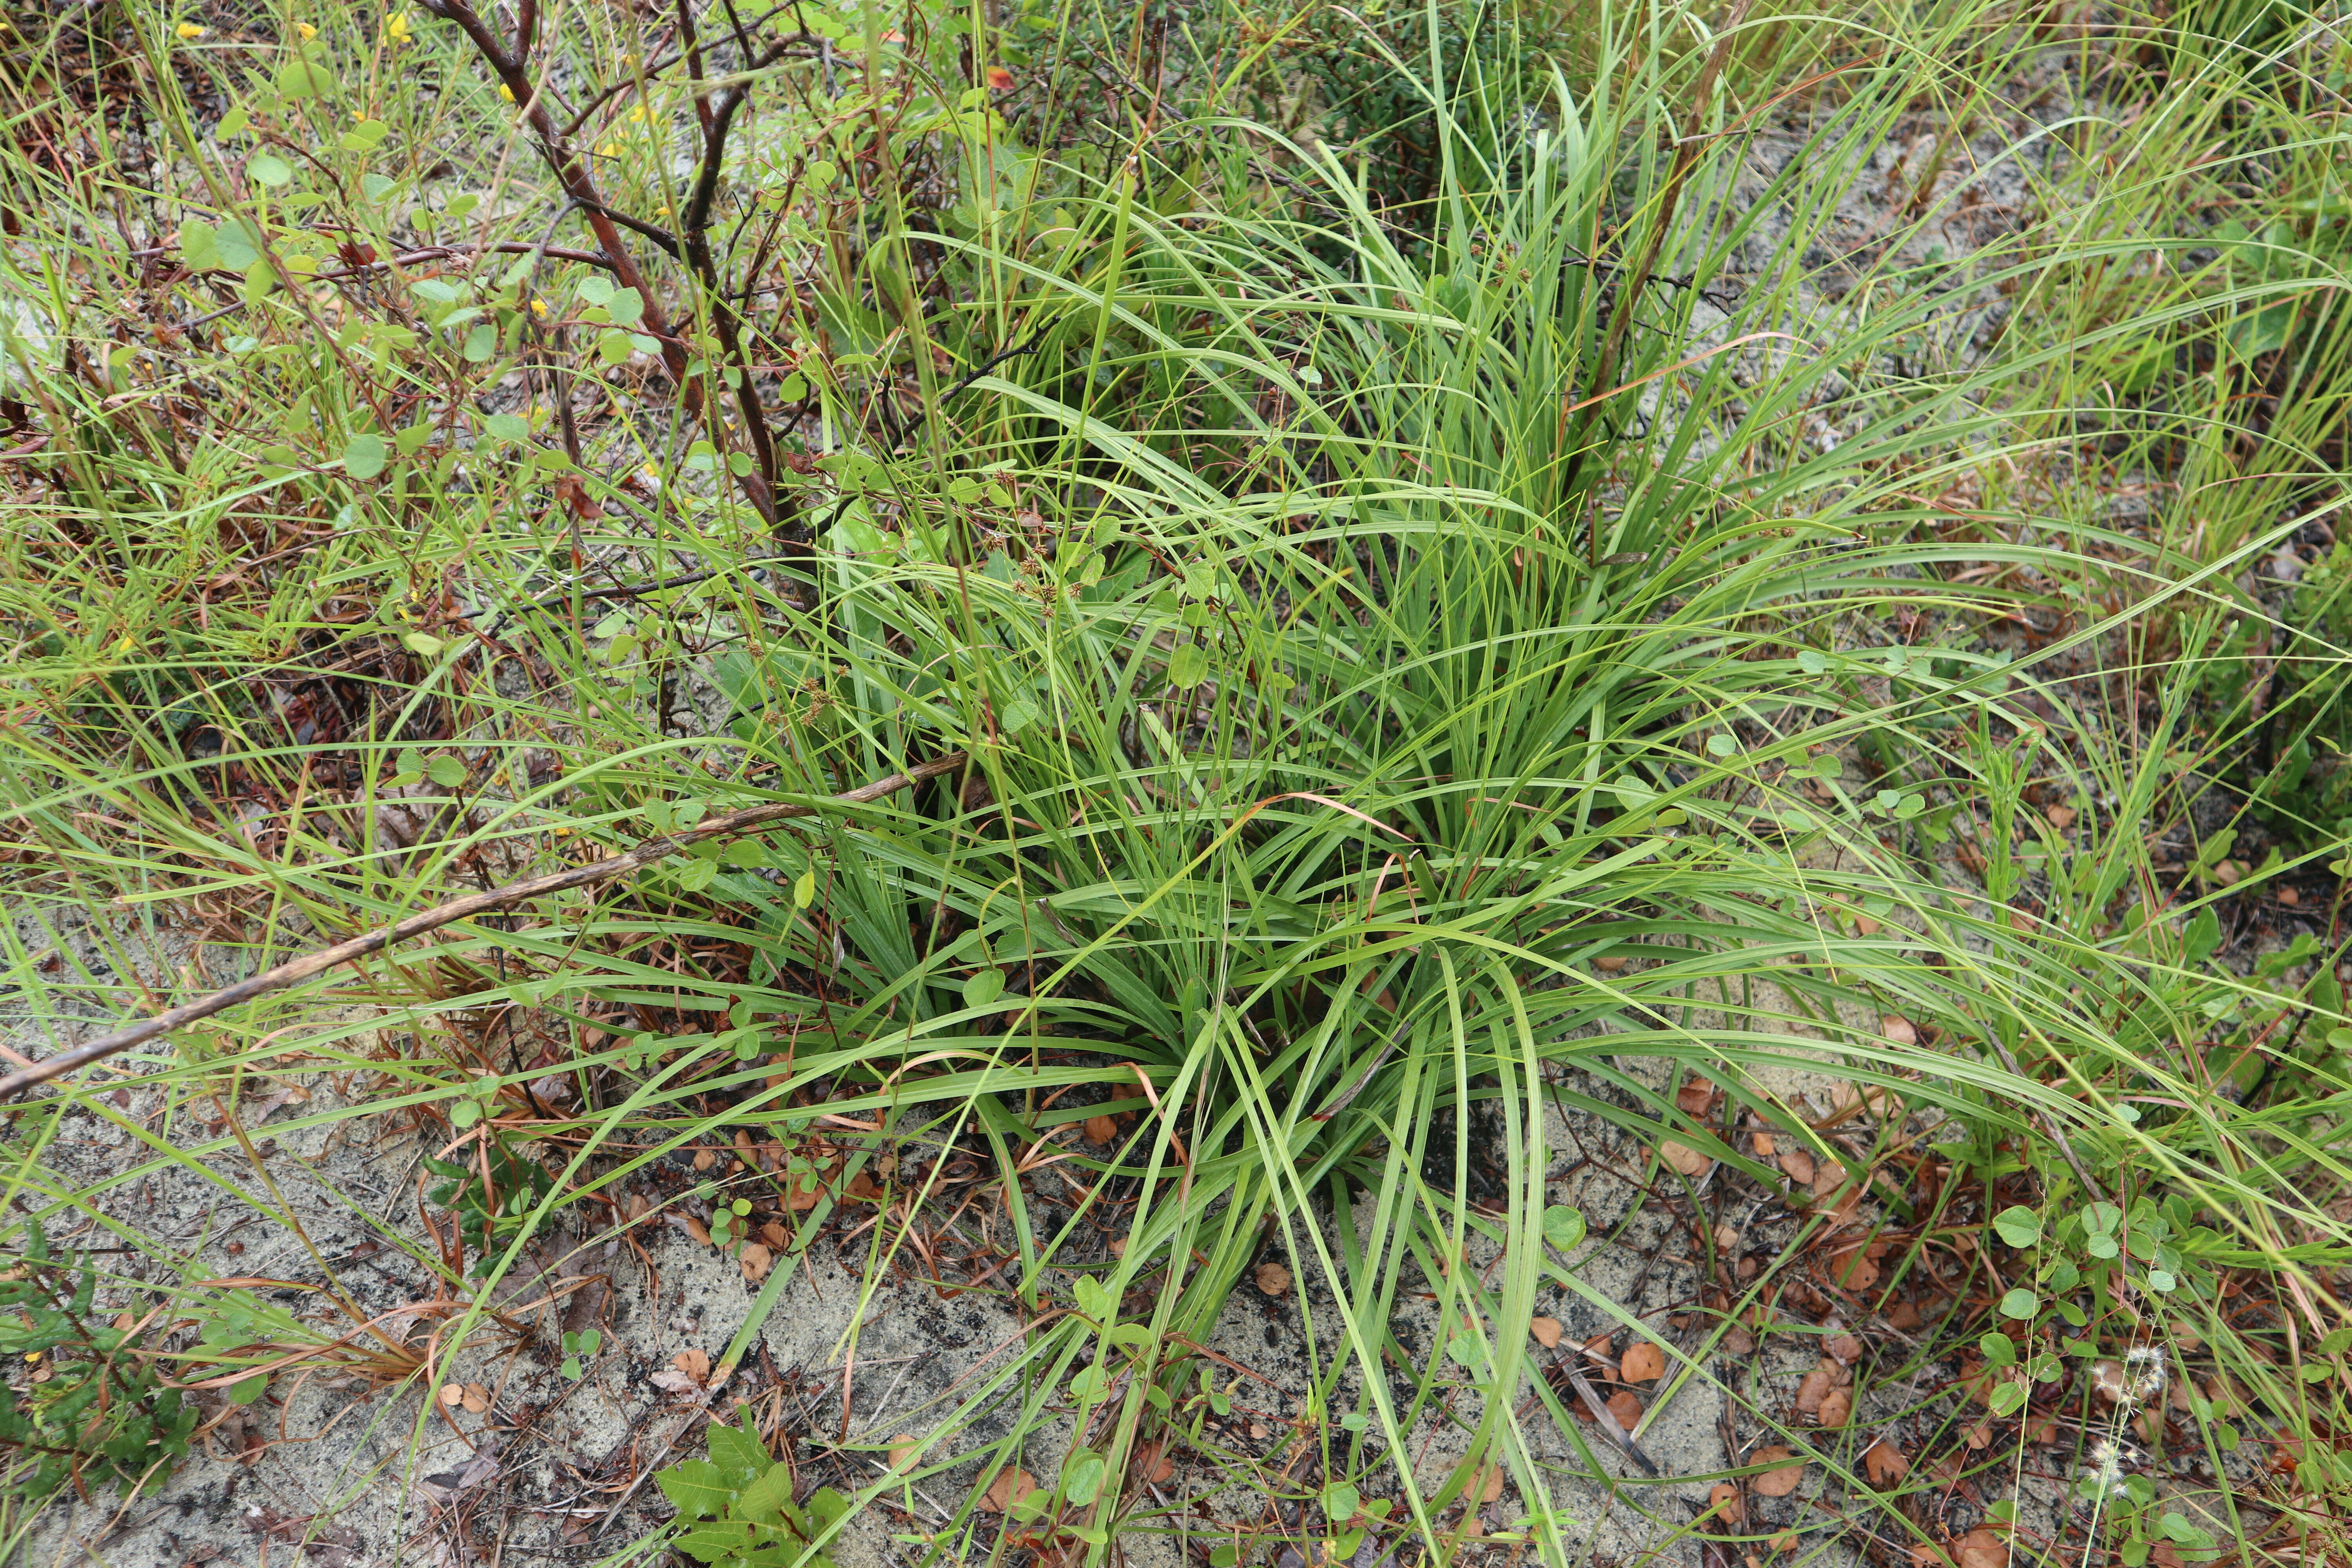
[539, 307]
[308, 31]
[396, 26]
[190, 30]
[638, 115]
[608, 151]
[506, 92]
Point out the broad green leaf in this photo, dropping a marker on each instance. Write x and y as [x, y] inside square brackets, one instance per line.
[364, 456]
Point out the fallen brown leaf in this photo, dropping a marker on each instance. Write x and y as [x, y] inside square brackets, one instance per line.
[902, 1451]
[2061, 817]
[1100, 1128]
[774, 1236]
[1799, 1165]
[1818, 1383]
[1626, 1406]
[1009, 1488]
[1273, 1277]
[693, 1227]
[1644, 1361]
[1828, 1175]
[475, 1398]
[1897, 1028]
[1155, 1464]
[1837, 1409]
[705, 1157]
[1610, 964]
[1885, 1463]
[756, 1261]
[1723, 1502]
[1697, 1097]
[1846, 1348]
[1981, 1549]
[1490, 1488]
[1688, 1161]
[453, 1394]
[694, 1362]
[1546, 1330]
[1778, 1482]
[1854, 1268]
[1761, 1143]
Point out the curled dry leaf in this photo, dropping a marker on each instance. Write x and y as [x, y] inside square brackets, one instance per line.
[1799, 1165]
[1644, 1361]
[1885, 1463]
[774, 1236]
[694, 1362]
[1546, 1330]
[1828, 1175]
[1009, 1488]
[1837, 1409]
[1697, 1097]
[1100, 1130]
[1688, 1161]
[693, 1227]
[1780, 1481]
[1155, 1464]
[757, 1260]
[1723, 1502]
[1273, 1277]
[1846, 1348]
[1827, 1375]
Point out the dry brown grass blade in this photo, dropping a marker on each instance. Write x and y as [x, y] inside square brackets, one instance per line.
[296, 971]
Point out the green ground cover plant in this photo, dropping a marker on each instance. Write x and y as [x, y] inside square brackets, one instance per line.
[1318, 595]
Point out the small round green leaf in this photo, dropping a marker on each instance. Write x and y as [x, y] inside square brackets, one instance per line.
[985, 986]
[2020, 1303]
[2018, 1226]
[446, 771]
[1188, 665]
[268, 169]
[364, 456]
